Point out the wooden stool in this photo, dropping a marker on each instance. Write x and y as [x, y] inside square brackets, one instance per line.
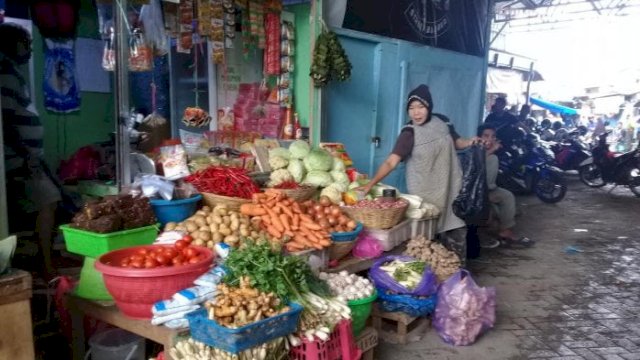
[367, 341]
[398, 327]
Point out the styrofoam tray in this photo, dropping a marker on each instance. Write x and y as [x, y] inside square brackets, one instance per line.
[393, 237]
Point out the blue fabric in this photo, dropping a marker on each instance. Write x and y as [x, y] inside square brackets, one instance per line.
[61, 92]
[557, 108]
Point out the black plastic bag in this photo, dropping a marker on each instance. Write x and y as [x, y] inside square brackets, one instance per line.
[471, 203]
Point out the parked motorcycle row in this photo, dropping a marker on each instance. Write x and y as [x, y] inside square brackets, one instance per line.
[531, 165]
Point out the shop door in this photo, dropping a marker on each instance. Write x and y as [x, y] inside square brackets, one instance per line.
[357, 112]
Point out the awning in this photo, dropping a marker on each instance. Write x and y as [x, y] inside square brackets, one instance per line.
[557, 108]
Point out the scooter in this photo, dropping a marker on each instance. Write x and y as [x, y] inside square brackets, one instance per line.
[529, 169]
[570, 153]
[606, 167]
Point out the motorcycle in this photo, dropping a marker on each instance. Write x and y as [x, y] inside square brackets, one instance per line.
[606, 167]
[529, 169]
[570, 153]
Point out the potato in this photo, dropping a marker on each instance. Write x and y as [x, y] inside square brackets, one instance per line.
[231, 240]
[217, 237]
[235, 225]
[210, 244]
[201, 213]
[180, 228]
[217, 219]
[254, 234]
[205, 235]
[191, 226]
[198, 242]
[224, 231]
[226, 220]
[222, 210]
[244, 232]
[200, 220]
[213, 228]
[170, 226]
[204, 228]
[195, 234]
[206, 209]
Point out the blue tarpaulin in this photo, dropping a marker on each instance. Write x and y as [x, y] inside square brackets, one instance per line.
[556, 108]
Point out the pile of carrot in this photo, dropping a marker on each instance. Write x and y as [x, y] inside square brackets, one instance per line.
[284, 220]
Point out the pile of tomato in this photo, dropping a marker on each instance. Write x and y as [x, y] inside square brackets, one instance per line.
[182, 253]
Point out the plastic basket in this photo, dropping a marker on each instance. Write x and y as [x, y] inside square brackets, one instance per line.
[347, 236]
[93, 244]
[245, 337]
[393, 237]
[426, 227]
[340, 346]
[360, 311]
[136, 290]
[411, 305]
[174, 210]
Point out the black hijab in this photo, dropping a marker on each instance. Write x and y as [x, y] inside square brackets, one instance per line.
[423, 95]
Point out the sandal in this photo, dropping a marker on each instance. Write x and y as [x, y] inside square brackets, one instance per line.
[523, 242]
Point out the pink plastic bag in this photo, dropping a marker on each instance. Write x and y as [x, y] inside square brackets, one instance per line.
[367, 247]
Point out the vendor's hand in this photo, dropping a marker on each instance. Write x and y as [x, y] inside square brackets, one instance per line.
[364, 190]
[475, 141]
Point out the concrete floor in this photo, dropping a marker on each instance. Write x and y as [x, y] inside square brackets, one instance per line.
[554, 302]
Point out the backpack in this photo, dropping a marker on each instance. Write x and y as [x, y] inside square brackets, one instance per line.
[56, 19]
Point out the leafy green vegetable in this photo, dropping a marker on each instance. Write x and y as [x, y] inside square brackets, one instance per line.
[416, 266]
[269, 271]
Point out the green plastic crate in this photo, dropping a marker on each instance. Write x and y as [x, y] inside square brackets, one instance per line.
[360, 311]
[94, 245]
[91, 285]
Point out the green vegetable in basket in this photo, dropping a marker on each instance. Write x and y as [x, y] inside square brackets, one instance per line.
[407, 274]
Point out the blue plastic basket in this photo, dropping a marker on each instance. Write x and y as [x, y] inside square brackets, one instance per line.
[347, 236]
[243, 338]
[174, 210]
[408, 304]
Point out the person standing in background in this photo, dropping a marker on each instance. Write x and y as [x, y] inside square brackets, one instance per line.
[29, 187]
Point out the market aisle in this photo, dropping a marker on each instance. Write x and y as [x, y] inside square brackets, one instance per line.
[554, 301]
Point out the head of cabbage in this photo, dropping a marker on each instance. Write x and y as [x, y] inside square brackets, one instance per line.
[296, 168]
[299, 149]
[318, 159]
[318, 179]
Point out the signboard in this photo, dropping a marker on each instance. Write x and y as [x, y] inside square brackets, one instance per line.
[458, 25]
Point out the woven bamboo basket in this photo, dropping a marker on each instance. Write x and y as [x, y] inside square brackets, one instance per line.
[232, 203]
[300, 194]
[338, 250]
[376, 218]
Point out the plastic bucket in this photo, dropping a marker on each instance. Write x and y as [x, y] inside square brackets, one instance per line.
[360, 311]
[174, 210]
[91, 285]
[116, 344]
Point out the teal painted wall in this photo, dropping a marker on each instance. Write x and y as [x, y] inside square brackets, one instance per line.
[65, 133]
[301, 79]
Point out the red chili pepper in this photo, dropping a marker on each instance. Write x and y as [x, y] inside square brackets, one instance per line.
[225, 181]
[290, 184]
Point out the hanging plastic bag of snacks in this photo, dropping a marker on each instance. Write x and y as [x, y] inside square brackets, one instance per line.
[140, 55]
[109, 53]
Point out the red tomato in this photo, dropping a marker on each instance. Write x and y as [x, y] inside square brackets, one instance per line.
[170, 253]
[162, 260]
[137, 258]
[150, 264]
[181, 244]
[190, 252]
[143, 252]
[188, 238]
[194, 260]
[178, 260]
[124, 262]
[138, 264]
[158, 250]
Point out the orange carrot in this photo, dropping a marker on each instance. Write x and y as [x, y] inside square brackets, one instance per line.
[307, 218]
[275, 220]
[286, 210]
[310, 225]
[285, 221]
[325, 242]
[296, 222]
[274, 232]
[296, 208]
[266, 219]
[252, 210]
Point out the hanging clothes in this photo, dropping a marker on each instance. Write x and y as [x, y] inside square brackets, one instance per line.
[61, 93]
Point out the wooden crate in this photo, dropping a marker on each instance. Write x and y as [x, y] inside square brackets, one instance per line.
[398, 327]
[367, 341]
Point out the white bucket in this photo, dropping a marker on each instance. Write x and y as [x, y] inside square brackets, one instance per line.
[116, 344]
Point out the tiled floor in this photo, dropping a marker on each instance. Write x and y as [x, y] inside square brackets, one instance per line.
[575, 295]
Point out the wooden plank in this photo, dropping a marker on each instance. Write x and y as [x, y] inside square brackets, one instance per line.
[16, 332]
[355, 265]
[111, 315]
[15, 281]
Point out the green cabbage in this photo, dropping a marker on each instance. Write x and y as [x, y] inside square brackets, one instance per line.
[299, 149]
[279, 176]
[340, 177]
[338, 165]
[318, 159]
[333, 194]
[296, 168]
[278, 162]
[318, 179]
[339, 186]
[281, 152]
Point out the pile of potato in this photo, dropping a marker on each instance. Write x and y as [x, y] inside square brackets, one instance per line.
[443, 262]
[220, 224]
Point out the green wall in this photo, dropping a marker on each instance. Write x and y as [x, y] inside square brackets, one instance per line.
[301, 79]
[65, 133]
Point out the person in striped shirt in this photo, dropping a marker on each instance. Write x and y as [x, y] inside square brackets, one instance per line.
[29, 186]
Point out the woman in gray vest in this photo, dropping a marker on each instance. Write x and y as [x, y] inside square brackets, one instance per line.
[428, 147]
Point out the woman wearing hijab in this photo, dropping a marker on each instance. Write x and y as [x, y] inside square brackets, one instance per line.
[428, 146]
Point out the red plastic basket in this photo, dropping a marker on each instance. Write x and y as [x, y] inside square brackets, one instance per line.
[136, 290]
[340, 346]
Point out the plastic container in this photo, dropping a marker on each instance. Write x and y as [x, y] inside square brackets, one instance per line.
[174, 210]
[347, 236]
[93, 244]
[245, 337]
[340, 346]
[426, 227]
[393, 237]
[116, 344]
[360, 311]
[136, 290]
[91, 285]
[411, 305]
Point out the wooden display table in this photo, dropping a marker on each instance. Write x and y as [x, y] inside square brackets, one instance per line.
[109, 313]
[16, 332]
